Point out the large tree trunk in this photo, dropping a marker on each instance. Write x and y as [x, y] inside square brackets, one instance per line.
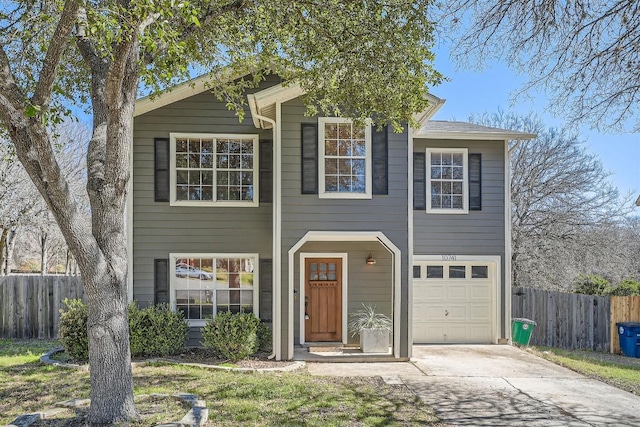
[109, 353]
[99, 248]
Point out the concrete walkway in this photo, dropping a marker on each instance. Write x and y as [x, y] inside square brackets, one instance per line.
[500, 386]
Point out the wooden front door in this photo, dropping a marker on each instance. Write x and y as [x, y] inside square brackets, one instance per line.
[323, 299]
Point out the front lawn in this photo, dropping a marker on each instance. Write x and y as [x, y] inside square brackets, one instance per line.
[619, 371]
[283, 399]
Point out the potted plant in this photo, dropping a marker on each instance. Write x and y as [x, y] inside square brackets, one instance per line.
[374, 329]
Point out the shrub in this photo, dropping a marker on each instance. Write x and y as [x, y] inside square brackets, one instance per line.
[591, 284]
[264, 337]
[73, 329]
[153, 331]
[625, 288]
[232, 336]
[156, 330]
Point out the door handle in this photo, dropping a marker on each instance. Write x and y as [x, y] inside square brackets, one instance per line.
[446, 313]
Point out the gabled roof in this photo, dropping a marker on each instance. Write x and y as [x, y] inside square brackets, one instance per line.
[439, 129]
[185, 90]
[260, 103]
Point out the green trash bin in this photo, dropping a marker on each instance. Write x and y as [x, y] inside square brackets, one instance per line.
[521, 330]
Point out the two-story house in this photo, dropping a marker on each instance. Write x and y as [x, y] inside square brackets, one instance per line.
[302, 219]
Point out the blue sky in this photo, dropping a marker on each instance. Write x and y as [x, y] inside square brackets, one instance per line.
[468, 92]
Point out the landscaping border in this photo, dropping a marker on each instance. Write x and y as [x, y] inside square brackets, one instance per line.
[295, 365]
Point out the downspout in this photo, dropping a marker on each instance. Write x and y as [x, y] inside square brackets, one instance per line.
[276, 330]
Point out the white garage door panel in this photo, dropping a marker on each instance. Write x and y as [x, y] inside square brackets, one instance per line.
[457, 292]
[434, 292]
[457, 313]
[454, 310]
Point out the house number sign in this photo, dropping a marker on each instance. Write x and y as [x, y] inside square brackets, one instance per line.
[448, 257]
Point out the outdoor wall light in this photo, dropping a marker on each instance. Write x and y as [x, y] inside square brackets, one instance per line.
[370, 259]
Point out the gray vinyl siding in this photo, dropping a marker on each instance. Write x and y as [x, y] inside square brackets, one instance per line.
[302, 213]
[160, 229]
[368, 284]
[478, 232]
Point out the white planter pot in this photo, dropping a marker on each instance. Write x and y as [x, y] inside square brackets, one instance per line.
[374, 341]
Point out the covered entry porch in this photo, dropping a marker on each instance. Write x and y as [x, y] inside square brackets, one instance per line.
[331, 275]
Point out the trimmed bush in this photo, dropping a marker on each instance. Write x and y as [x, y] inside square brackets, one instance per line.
[153, 331]
[264, 337]
[73, 329]
[156, 330]
[232, 336]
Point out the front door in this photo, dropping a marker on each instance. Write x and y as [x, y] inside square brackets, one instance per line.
[323, 299]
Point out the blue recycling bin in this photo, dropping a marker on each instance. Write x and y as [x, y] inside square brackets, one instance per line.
[629, 333]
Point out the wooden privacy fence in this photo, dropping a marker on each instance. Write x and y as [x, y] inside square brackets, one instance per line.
[623, 309]
[30, 305]
[569, 321]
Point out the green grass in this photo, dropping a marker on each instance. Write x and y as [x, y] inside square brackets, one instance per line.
[619, 371]
[233, 399]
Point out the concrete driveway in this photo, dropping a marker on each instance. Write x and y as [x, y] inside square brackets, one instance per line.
[505, 386]
[500, 385]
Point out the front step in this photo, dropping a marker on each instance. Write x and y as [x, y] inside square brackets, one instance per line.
[339, 352]
[327, 347]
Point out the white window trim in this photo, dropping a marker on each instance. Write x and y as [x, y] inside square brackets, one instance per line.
[219, 203]
[465, 182]
[322, 193]
[172, 278]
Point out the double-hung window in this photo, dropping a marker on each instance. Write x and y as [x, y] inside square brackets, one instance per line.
[205, 284]
[345, 159]
[214, 169]
[447, 180]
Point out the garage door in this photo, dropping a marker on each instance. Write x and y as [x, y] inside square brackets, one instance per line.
[454, 302]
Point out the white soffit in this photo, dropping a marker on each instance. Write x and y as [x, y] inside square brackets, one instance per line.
[186, 89]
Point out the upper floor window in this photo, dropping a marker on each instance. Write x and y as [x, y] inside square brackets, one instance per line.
[345, 159]
[447, 180]
[209, 169]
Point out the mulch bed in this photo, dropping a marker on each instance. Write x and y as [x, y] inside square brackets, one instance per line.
[202, 356]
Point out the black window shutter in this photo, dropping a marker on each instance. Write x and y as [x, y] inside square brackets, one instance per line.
[419, 181]
[266, 270]
[266, 171]
[161, 169]
[475, 181]
[380, 160]
[309, 158]
[161, 281]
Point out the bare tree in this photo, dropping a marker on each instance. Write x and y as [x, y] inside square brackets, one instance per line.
[23, 212]
[585, 54]
[19, 201]
[559, 192]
